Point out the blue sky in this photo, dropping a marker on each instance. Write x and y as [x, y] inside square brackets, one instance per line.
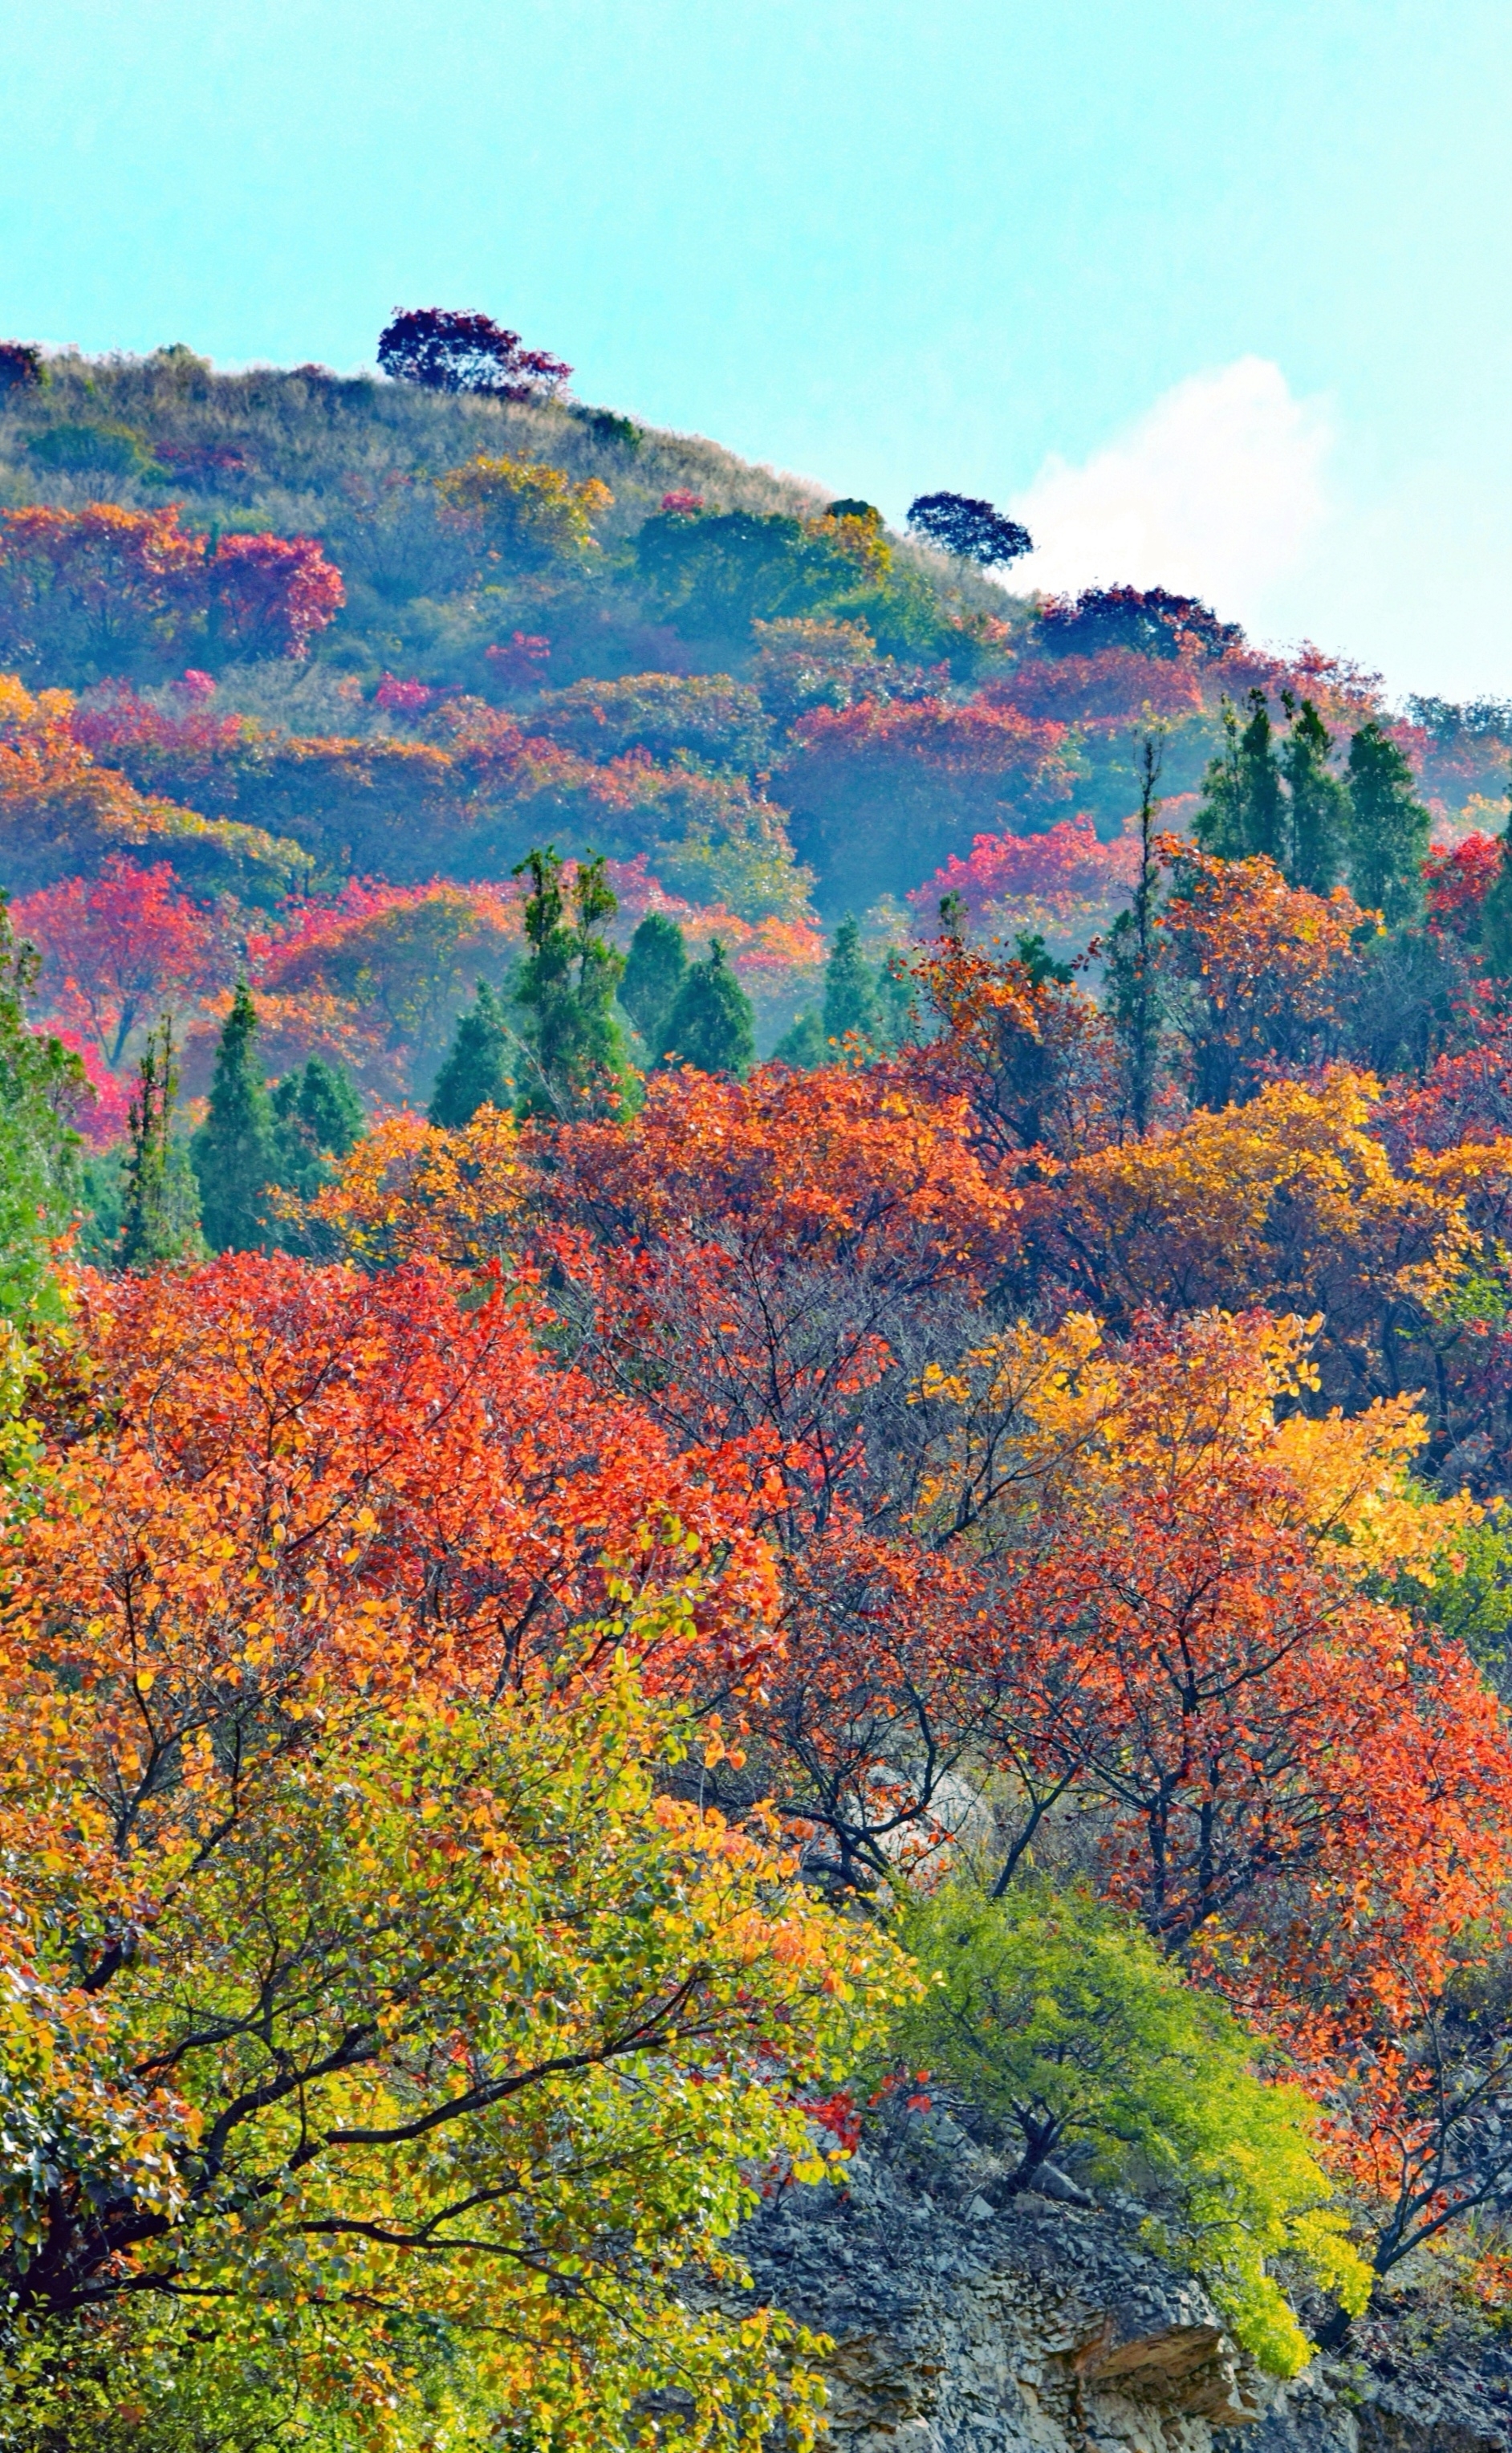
[1213, 295]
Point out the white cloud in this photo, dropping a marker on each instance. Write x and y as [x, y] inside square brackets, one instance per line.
[1216, 491]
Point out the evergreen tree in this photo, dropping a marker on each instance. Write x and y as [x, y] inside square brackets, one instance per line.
[850, 1000]
[476, 1072]
[567, 986]
[233, 1150]
[711, 1024]
[653, 974]
[1318, 801]
[317, 1117]
[1388, 828]
[896, 1019]
[1496, 914]
[41, 1083]
[1242, 810]
[1132, 983]
[803, 1045]
[160, 1215]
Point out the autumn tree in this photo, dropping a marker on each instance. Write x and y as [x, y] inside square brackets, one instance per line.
[447, 350]
[233, 1150]
[113, 945]
[1257, 973]
[418, 1953]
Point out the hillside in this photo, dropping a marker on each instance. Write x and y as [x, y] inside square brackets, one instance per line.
[321, 630]
[755, 1448]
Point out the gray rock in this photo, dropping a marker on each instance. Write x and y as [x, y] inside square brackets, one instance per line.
[969, 2319]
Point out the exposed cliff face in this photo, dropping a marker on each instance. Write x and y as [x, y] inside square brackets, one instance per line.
[965, 2325]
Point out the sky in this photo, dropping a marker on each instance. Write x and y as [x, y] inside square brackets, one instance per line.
[1213, 296]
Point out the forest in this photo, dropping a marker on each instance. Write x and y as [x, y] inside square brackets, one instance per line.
[755, 1374]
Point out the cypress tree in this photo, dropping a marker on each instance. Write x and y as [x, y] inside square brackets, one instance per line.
[317, 1116]
[803, 1045]
[711, 1024]
[1318, 801]
[1132, 987]
[160, 1213]
[233, 1150]
[851, 999]
[40, 1085]
[476, 1072]
[1242, 811]
[653, 974]
[567, 986]
[1388, 828]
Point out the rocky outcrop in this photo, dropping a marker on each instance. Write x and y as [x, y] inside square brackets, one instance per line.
[969, 2321]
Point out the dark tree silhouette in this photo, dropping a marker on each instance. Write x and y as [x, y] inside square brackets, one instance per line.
[448, 351]
[973, 530]
[21, 365]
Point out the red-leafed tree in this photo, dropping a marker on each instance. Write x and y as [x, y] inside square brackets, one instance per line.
[114, 946]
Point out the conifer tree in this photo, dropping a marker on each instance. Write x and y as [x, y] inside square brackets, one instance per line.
[317, 1117]
[1318, 801]
[1133, 982]
[653, 974]
[40, 1083]
[160, 1215]
[566, 988]
[711, 1024]
[476, 1072]
[1242, 811]
[803, 1045]
[850, 1000]
[233, 1150]
[1388, 828]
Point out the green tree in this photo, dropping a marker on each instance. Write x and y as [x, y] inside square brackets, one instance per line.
[1059, 2019]
[711, 1024]
[160, 1212]
[233, 1151]
[653, 974]
[567, 986]
[41, 1082]
[1388, 828]
[476, 1071]
[317, 1116]
[1318, 801]
[803, 1045]
[1132, 979]
[1242, 809]
[850, 997]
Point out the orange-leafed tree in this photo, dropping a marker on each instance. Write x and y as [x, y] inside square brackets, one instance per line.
[363, 1978]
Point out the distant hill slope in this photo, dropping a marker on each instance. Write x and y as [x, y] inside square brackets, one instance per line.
[523, 622]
